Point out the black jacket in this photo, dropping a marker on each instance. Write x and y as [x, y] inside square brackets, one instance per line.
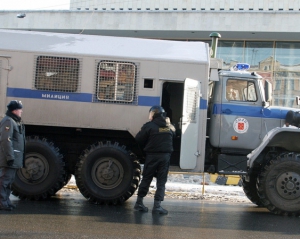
[156, 136]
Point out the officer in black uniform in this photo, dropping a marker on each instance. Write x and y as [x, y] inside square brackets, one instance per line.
[156, 139]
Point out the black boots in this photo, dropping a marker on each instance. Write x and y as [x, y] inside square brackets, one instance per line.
[139, 205]
[157, 209]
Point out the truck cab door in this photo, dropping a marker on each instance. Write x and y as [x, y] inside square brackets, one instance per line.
[189, 151]
[241, 118]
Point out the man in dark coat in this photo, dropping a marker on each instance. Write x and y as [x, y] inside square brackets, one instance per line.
[156, 139]
[12, 145]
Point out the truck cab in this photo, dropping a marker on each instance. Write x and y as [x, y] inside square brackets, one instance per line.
[239, 116]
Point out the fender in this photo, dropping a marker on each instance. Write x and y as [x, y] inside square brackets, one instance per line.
[283, 137]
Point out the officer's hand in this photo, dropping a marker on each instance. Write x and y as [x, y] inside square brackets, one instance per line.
[10, 162]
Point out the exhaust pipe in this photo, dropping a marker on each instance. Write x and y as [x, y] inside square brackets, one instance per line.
[214, 43]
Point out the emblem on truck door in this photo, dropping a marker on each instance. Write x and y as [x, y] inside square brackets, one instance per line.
[241, 125]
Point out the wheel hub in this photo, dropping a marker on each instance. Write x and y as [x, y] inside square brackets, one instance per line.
[288, 185]
[107, 173]
[36, 169]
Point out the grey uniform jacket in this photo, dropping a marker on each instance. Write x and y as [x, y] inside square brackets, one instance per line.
[12, 142]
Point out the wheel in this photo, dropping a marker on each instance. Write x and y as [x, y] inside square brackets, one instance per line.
[107, 174]
[279, 185]
[250, 190]
[44, 172]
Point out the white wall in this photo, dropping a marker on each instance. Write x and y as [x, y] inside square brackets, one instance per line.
[167, 23]
[256, 5]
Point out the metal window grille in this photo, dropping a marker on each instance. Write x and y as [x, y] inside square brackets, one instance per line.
[191, 106]
[57, 74]
[116, 82]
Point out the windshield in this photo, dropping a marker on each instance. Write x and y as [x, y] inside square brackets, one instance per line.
[240, 90]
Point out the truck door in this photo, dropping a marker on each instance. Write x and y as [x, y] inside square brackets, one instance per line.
[241, 120]
[190, 124]
[4, 62]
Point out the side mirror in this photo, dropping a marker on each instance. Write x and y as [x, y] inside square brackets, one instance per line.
[268, 91]
[297, 100]
[265, 104]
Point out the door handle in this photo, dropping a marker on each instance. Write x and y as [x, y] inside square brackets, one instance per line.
[227, 111]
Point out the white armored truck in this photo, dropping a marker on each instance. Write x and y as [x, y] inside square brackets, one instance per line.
[86, 97]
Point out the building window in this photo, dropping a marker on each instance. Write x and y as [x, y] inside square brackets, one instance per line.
[287, 53]
[257, 54]
[287, 70]
[57, 73]
[277, 84]
[291, 85]
[231, 52]
[116, 82]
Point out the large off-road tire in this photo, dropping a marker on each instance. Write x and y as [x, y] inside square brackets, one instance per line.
[107, 173]
[44, 172]
[250, 190]
[279, 185]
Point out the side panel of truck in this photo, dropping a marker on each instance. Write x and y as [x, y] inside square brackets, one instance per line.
[86, 97]
[21, 85]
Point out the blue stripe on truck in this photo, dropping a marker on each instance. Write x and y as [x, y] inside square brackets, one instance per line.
[203, 104]
[79, 97]
[148, 100]
[67, 96]
[250, 110]
[48, 95]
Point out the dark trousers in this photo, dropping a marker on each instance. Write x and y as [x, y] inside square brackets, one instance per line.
[7, 177]
[155, 165]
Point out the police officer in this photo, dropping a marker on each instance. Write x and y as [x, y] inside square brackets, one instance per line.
[12, 145]
[156, 139]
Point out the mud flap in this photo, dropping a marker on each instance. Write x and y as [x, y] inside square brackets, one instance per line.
[232, 164]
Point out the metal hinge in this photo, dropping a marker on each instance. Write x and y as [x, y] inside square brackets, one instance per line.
[197, 154]
[9, 68]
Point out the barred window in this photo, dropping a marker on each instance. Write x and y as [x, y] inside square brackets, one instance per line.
[116, 81]
[57, 73]
[191, 104]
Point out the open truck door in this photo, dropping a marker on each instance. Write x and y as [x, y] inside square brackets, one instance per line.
[190, 124]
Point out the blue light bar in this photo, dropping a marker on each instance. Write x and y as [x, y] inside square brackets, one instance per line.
[242, 66]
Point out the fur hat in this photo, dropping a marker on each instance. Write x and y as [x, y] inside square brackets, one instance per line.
[14, 105]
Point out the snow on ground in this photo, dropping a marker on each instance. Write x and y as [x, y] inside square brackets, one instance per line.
[190, 187]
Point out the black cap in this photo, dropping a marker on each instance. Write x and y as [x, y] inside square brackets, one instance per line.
[14, 105]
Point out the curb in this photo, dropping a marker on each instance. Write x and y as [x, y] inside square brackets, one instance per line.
[226, 180]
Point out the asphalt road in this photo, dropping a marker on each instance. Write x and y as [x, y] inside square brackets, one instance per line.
[69, 215]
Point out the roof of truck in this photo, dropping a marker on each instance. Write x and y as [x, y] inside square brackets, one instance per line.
[104, 46]
[240, 74]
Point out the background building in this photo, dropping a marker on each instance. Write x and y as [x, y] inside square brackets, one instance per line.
[263, 33]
